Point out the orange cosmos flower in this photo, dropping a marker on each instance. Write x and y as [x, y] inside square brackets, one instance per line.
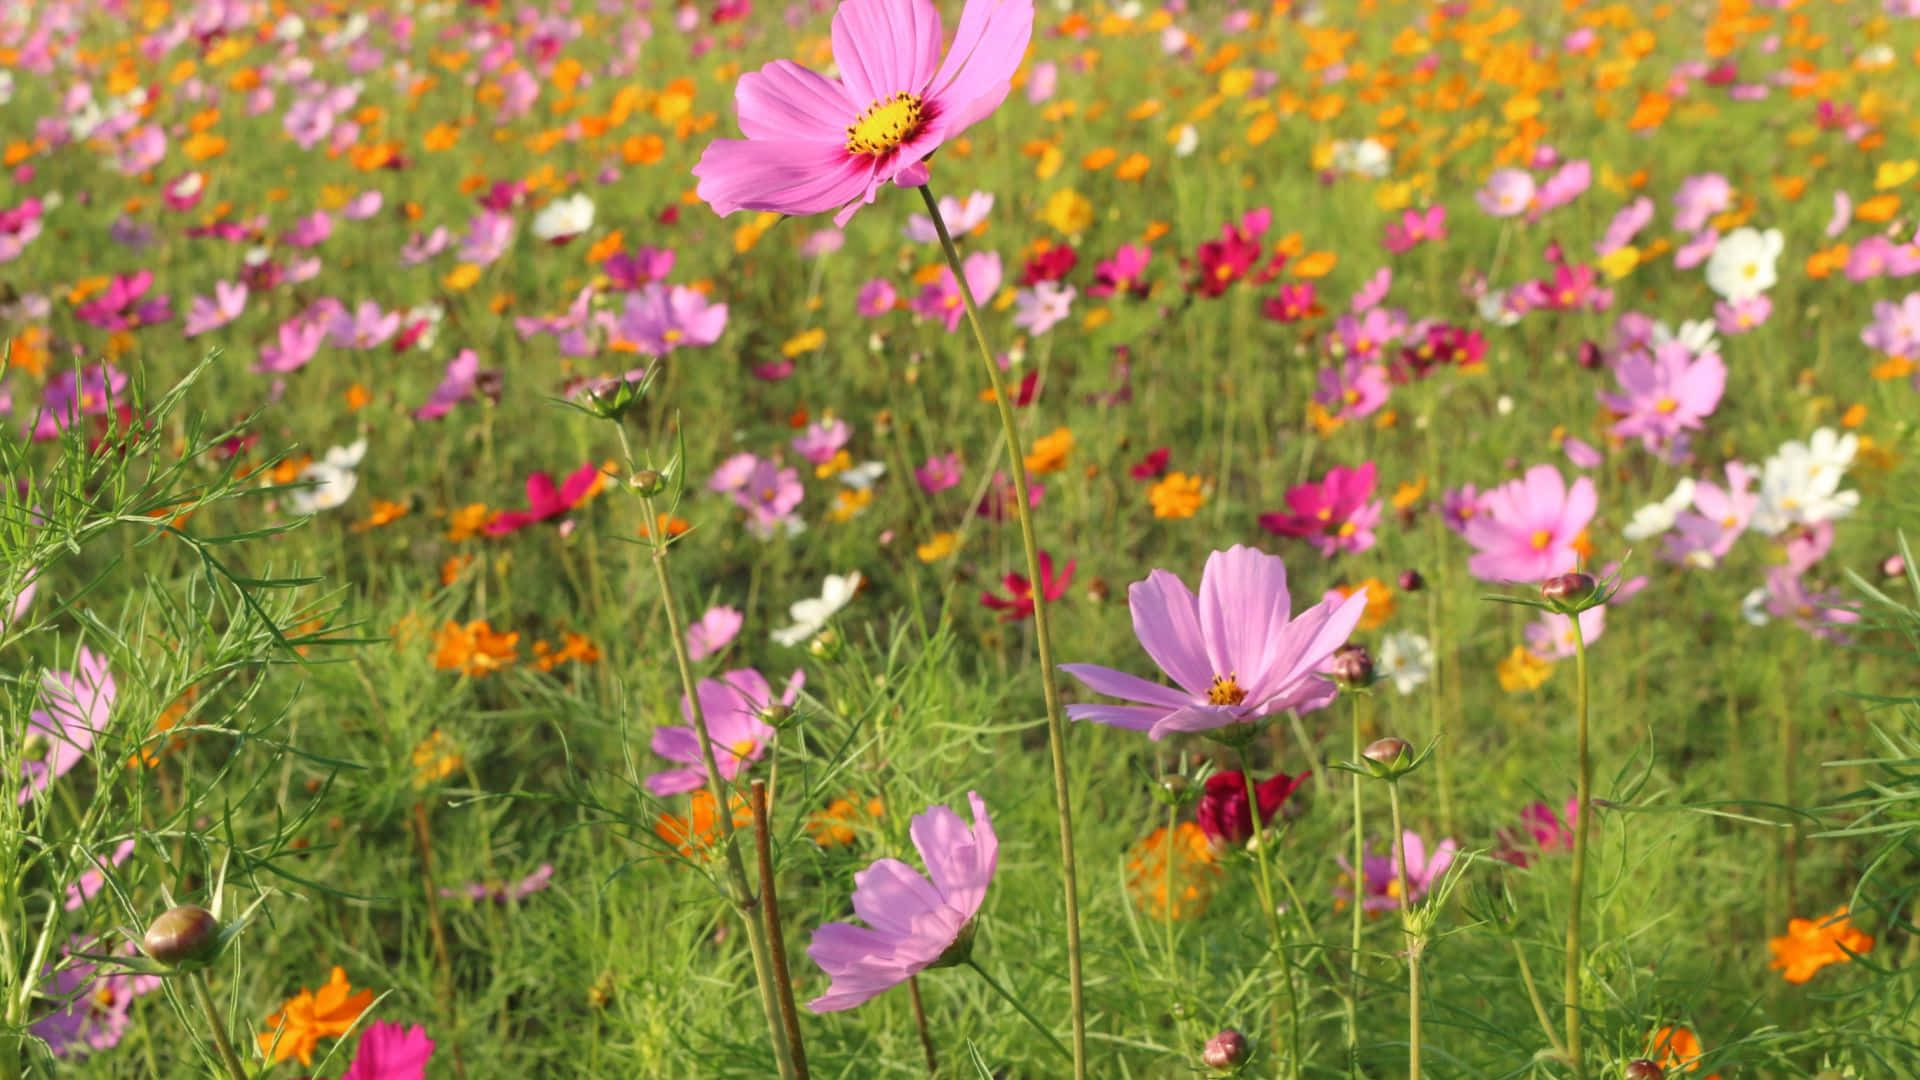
[696, 833]
[1194, 874]
[835, 826]
[474, 649]
[309, 1016]
[1811, 944]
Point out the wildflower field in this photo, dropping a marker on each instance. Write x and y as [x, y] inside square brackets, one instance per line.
[970, 538]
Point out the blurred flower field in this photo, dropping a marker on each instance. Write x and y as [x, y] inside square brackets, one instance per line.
[973, 538]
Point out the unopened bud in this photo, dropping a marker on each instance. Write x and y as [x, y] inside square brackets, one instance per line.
[1387, 751]
[1569, 593]
[1227, 1050]
[1644, 1069]
[1893, 566]
[1351, 666]
[1411, 581]
[647, 482]
[183, 935]
[779, 716]
[825, 645]
[1174, 785]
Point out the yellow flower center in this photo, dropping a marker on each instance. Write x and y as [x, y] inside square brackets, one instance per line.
[742, 747]
[1666, 405]
[1540, 539]
[885, 125]
[1348, 528]
[1225, 691]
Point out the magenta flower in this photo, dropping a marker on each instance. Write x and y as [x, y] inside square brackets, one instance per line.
[1235, 652]
[713, 631]
[1524, 530]
[1125, 272]
[489, 235]
[298, 339]
[770, 495]
[815, 144]
[92, 881]
[1334, 515]
[90, 1006]
[1353, 389]
[941, 472]
[229, 300]
[1665, 394]
[76, 705]
[876, 298]
[1018, 603]
[1568, 182]
[390, 1051]
[940, 299]
[366, 327]
[95, 391]
[731, 705]
[1547, 832]
[545, 500]
[628, 271]
[463, 379]
[1416, 227]
[1381, 885]
[1509, 192]
[913, 922]
[310, 231]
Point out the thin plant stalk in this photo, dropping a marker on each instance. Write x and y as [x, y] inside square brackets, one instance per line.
[1357, 915]
[920, 1025]
[776, 940]
[1173, 815]
[1414, 942]
[1021, 1009]
[1533, 996]
[1042, 632]
[1577, 878]
[738, 889]
[1272, 913]
[216, 1027]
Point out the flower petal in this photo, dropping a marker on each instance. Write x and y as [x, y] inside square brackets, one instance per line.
[1166, 619]
[786, 101]
[885, 47]
[785, 176]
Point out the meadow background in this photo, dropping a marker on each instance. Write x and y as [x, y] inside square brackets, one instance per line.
[309, 307]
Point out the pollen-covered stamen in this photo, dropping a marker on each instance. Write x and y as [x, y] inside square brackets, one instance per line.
[1225, 691]
[1540, 539]
[886, 124]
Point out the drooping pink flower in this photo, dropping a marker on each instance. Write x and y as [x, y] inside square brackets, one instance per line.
[1235, 652]
[1335, 515]
[731, 706]
[1625, 225]
[914, 922]
[1524, 530]
[815, 144]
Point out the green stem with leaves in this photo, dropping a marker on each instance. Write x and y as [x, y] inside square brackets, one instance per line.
[216, 1027]
[1577, 878]
[1272, 913]
[1021, 1009]
[1042, 632]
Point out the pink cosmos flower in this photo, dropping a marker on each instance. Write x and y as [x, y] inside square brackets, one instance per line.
[1509, 192]
[1353, 389]
[1018, 603]
[1735, 317]
[822, 440]
[299, 339]
[1625, 225]
[1416, 227]
[229, 300]
[1122, 273]
[420, 248]
[502, 892]
[462, 380]
[1381, 881]
[914, 922]
[1665, 394]
[1041, 308]
[1524, 530]
[815, 144]
[545, 500]
[876, 298]
[961, 216]
[713, 631]
[1235, 652]
[390, 1051]
[731, 706]
[366, 327]
[1567, 183]
[1696, 250]
[489, 235]
[310, 231]
[661, 318]
[75, 709]
[1223, 814]
[1842, 214]
[940, 299]
[1548, 832]
[1699, 198]
[1550, 637]
[941, 472]
[1703, 536]
[92, 881]
[1334, 515]
[1895, 329]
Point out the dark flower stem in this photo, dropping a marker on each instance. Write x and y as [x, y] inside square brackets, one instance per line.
[776, 939]
[739, 891]
[1021, 1009]
[920, 1024]
[1042, 632]
[1577, 879]
[216, 1028]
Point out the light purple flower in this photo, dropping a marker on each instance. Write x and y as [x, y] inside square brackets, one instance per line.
[713, 631]
[420, 248]
[661, 318]
[1508, 193]
[366, 327]
[1895, 329]
[731, 705]
[1699, 198]
[1040, 308]
[489, 235]
[821, 440]
[77, 704]
[502, 892]
[1664, 394]
[1235, 651]
[229, 300]
[913, 922]
[1736, 317]
[1381, 883]
[462, 380]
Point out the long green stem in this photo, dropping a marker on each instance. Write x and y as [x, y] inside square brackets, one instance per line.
[738, 889]
[1414, 942]
[1173, 816]
[216, 1027]
[1021, 1009]
[1533, 995]
[1578, 877]
[1042, 632]
[1356, 914]
[1272, 913]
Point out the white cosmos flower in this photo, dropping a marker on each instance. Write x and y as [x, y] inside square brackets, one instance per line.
[1753, 608]
[1186, 140]
[862, 476]
[1742, 266]
[1656, 518]
[1366, 157]
[810, 616]
[333, 479]
[1407, 659]
[1800, 483]
[565, 218]
[1695, 334]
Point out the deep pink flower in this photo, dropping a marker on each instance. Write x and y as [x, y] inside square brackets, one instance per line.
[731, 706]
[1416, 227]
[1125, 272]
[390, 1051]
[941, 472]
[914, 922]
[1334, 515]
[545, 501]
[1235, 651]
[815, 144]
[1018, 603]
[1222, 812]
[1524, 530]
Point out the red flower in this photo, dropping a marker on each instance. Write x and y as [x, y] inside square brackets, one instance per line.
[1151, 467]
[545, 502]
[1222, 812]
[1019, 603]
[1053, 264]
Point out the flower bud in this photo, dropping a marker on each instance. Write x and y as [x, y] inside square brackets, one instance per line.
[1644, 1069]
[1387, 751]
[38, 746]
[1173, 788]
[1893, 566]
[779, 716]
[1411, 581]
[825, 645]
[1227, 1050]
[1570, 593]
[183, 935]
[648, 482]
[1351, 667]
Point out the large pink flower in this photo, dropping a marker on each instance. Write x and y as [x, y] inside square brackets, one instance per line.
[1525, 529]
[814, 144]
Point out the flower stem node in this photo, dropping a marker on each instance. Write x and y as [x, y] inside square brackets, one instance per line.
[184, 937]
[1225, 1052]
[1571, 594]
[1643, 1069]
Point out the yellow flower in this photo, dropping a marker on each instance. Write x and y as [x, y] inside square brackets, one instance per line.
[435, 758]
[1068, 212]
[804, 342]
[941, 546]
[1380, 602]
[1050, 452]
[850, 503]
[1522, 670]
[1177, 495]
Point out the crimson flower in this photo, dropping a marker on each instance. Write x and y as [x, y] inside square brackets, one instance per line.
[1018, 604]
[545, 501]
